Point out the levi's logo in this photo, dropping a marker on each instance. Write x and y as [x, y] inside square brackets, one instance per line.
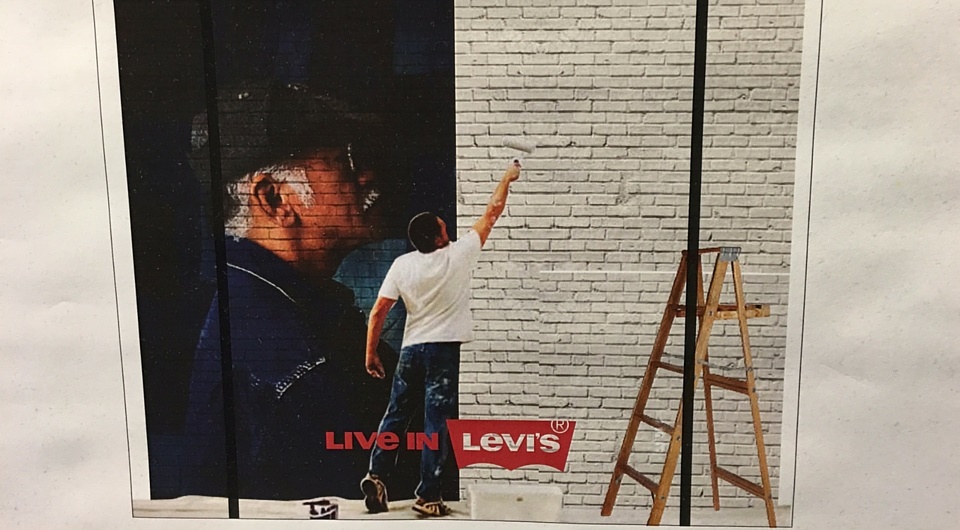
[511, 444]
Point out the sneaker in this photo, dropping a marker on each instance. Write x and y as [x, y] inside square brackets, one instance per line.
[431, 509]
[374, 494]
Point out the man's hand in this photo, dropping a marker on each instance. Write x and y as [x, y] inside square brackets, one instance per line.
[513, 172]
[374, 366]
[378, 315]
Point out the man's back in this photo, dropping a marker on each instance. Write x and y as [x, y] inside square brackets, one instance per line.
[435, 288]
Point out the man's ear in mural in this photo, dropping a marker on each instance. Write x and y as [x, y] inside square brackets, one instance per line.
[271, 201]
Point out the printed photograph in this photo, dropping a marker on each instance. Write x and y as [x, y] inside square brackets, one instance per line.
[414, 259]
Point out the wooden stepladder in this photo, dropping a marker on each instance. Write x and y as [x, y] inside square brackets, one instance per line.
[709, 309]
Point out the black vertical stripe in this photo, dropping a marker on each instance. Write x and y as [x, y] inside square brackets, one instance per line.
[693, 259]
[219, 244]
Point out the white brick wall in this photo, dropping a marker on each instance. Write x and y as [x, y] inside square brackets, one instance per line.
[605, 86]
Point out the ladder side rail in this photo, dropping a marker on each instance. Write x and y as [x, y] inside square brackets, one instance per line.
[708, 406]
[703, 337]
[752, 393]
[626, 447]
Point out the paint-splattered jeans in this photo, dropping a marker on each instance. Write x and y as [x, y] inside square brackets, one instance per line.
[428, 375]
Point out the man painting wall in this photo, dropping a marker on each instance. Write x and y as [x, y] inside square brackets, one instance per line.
[434, 283]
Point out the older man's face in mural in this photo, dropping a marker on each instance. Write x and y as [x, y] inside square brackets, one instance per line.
[331, 203]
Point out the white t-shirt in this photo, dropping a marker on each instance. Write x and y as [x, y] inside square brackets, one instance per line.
[435, 289]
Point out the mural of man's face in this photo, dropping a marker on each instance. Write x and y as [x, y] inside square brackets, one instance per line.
[346, 210]
[315, 219]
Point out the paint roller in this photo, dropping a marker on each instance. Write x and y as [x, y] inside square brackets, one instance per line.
[520, 144]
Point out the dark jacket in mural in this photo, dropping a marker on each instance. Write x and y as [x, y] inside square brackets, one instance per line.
[298, 352]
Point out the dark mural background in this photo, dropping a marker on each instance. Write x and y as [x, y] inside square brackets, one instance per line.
[390, 56]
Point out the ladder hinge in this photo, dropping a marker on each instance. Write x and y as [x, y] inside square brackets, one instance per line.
[728, 254]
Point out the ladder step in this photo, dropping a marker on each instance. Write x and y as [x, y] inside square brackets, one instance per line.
[641, 479]
[671, 367]
[657, 424]
[729, 383]
[726, 311]
[715, 366]
[740, 482]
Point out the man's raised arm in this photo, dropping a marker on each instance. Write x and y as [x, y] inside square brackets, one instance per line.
[498, 202]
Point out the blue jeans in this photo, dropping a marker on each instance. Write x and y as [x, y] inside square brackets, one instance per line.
[428, 375]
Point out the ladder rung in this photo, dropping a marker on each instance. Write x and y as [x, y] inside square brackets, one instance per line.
[671, 367]
[676, 368]
[726, 311]
[641, 479]
[657, 424]
[729, 383]
[715, 366]
[740, 482]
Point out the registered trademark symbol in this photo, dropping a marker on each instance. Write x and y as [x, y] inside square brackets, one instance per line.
[560, 426]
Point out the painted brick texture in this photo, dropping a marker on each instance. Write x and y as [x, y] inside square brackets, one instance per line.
[571, 286]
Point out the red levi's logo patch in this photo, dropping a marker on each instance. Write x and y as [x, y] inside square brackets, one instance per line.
[511, 444]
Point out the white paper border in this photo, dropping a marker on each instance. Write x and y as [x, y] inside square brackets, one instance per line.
[122, 245]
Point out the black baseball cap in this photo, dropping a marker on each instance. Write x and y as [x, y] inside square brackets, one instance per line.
[264, 123]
